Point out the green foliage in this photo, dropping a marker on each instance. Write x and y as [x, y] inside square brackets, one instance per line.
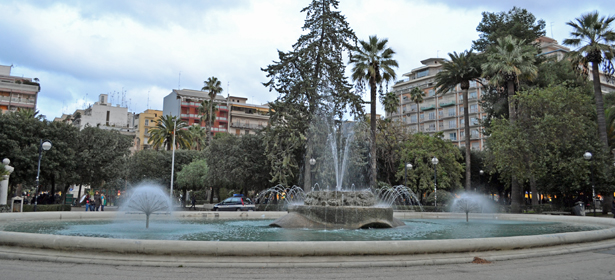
[595, 41]
[511, 60]
[517, 22]
[47, 208]
[444, 198]
[418, 150]
[193, 176]
[102, 154]
[390, 101]
[162, 134]
[155, 166]
[214, 87]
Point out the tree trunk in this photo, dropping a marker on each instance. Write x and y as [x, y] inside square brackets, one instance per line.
[418, 118]
[534, 190]
[78, 203]
[209, 133]
[374, 168]
[599, 106]
[466, 118]
[515, 193]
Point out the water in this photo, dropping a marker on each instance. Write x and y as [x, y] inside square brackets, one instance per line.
[258, 230]
[147, 199]
[472, 203]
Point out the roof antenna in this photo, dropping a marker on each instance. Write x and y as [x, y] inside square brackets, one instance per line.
[552, 31]
[148, 99]
[438, 54]
[179, 80]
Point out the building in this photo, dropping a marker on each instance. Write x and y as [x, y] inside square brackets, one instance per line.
[17, 93]
[104, 115]
[143, 123]
[242, 118]
[443, 113]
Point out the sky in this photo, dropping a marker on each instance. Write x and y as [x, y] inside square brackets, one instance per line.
[138, 51]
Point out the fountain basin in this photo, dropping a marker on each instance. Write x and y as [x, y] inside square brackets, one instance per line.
[57, 244]
[331, 217]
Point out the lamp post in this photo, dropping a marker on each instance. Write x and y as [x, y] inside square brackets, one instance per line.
[588, 156]
[173, 157]
[434, 161]
[312, 163]
[408, 166]
[480, 179]
[42, 146]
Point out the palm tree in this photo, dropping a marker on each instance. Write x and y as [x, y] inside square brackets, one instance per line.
[417, 95]
[162, 134]
[509, 62]
[198, 136]
[213, 86]
[595, 41]
[462, 69]
[204, 110]
[390, 101]
[373, 63]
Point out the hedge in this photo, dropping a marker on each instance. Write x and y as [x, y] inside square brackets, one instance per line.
[47, 207]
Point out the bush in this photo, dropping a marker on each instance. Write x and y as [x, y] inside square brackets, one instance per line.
[47, 207]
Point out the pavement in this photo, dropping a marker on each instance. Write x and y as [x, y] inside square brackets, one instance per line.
[203, 207]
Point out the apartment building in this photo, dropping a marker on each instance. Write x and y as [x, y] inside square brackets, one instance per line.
[17, 92]
[143, 123]
[234, 114]
[442, 113]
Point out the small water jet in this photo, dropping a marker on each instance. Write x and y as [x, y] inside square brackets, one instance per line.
[472, 203]
[147, 199]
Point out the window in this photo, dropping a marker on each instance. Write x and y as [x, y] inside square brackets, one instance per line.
[472, 84]
[422, 73]
[413, 118]
[452, 136]
[461, 97]
[432, 127]
[441, 113]
[472, 95]
[474, 133]
[474, 108]
[462, 134]
[452, 123]
[422, 116]
[473, 121]
[413, 107]
[475, 146]
[432, 115]
[146, 130]
[462, 122]
[451, 112]
[422, 128]
[146, 122]
[461, 110]
[431, 92]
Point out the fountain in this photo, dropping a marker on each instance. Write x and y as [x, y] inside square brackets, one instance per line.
[147, 199]
[475, 203]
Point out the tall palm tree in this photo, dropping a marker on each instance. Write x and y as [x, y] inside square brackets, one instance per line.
[162, 134]
[461, 69]
[373, 64]
[204, 110]
[417, 95]
[213, 86]
[390, 101]
[594, 39]
[197, 135]
[509, 62]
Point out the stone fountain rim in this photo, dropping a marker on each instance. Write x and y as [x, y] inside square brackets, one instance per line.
[157, 248]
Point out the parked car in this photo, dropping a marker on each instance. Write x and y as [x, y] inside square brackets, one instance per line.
[235, 203]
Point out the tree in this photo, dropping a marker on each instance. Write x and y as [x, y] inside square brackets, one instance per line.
[417, 96]
[373, 64]
[517, 22]
[162, 134]
[193, 176]
[309, 79]
[508, 63]
[198, 136]
[213, 87]
[390, 101]
[462, 69]
[595, 42]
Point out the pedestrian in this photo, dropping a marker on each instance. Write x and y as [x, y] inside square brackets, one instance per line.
[104, 201]
[87, 203]
[97, 200]
[193, 203]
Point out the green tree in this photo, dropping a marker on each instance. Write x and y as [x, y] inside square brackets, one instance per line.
[595, 42]
[193, 177]
[198, 135]
[418, 150]
[213, 88]
[162, 134]
[417, 95]
[517, 22]
[390, 101]
[460, 70]
[309, 79]
[508, 63]
[373, 64]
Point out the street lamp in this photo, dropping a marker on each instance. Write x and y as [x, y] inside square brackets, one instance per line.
[434, 161]
[312, 163]
[173, 157]
[480, 179]
[46, 145]
[588, 156]
[408, 166]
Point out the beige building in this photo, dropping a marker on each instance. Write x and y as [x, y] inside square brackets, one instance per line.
[246, 118]
[143, 123]
[443, 113]
[17, 92]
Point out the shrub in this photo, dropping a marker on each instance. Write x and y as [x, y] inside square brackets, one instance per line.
[47, 207]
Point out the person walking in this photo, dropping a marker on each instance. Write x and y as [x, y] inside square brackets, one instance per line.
[104, 201]
[97, 200]
[87, 203]
[193, 203]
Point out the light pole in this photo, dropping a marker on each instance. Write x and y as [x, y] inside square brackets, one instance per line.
[434, 161]
[42, 146]
[480, 179]
[173, 156]
[588, 156]
[312, 163]
[408, 166]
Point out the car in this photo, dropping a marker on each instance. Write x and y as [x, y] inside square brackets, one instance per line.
[235, 203]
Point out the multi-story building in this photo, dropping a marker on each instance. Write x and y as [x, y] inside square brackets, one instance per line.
[104, 114]
[442, 113]
[17, 92]
[242, 117]
[143, 123]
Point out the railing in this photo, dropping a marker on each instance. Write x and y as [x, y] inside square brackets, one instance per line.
[446, 104]
[246, 125]
[428, 107]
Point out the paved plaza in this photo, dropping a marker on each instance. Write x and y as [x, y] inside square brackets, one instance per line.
[597, 264]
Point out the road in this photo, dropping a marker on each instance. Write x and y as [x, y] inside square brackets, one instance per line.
[586, 265]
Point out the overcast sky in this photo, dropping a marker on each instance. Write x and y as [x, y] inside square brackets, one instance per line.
[80, 49]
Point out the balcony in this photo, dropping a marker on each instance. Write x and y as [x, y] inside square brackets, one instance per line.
[428, 107]
[246, 125]
[446, 104]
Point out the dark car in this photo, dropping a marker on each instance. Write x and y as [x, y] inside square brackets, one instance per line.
[235, 203]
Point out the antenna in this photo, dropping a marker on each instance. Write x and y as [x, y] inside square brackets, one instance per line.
[148, 99]
[123, 97]
[179, 80]
[438, 54]
[552, 30]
